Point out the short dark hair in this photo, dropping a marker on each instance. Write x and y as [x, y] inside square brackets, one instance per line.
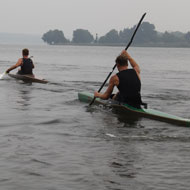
[122, 60]
[25, 52]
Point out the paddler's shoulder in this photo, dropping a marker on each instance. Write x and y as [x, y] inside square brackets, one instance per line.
[114, 80]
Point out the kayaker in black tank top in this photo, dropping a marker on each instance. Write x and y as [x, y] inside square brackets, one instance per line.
[129, 87]
[26, 67]
[127, 81]
[25, 63]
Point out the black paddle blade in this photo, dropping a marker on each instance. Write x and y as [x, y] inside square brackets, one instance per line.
[135, 31]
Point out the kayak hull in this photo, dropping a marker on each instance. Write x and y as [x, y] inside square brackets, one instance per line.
[149, 113]
[28, 78]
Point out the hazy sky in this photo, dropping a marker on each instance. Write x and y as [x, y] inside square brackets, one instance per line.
[97, 16]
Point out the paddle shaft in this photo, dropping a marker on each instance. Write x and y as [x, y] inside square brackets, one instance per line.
[116, 63]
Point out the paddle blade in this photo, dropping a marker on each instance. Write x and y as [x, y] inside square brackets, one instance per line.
[2, 75]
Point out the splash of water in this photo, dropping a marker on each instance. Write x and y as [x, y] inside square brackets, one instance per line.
[2, 75]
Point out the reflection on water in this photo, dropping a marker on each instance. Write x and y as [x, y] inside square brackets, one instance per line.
[124, 116]
[25, 95]
[129, 119]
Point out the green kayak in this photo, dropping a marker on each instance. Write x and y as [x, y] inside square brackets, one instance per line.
[149, 113]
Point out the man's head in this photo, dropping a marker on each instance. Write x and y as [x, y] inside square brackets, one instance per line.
[122, 60]
[25, 52]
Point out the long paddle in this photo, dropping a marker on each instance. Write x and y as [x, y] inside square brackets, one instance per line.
[116, 63]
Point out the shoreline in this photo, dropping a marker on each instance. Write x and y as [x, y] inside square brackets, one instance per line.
[123, 45]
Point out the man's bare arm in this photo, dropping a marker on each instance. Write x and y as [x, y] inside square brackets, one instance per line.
[19, 62]
[132, 62]
[108, 92]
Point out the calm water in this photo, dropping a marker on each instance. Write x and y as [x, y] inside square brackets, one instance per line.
[51, 141]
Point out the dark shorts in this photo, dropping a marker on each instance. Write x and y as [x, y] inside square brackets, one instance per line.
[21, 73]
[119, 98]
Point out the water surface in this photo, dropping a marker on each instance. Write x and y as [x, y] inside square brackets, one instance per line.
[50, 140]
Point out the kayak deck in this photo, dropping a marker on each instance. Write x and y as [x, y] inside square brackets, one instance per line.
[28, 78]
[149, 113]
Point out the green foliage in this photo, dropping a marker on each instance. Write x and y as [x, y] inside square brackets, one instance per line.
[170, 38]
[145, 36]
[187, 37]
[54, 37]
[110, 38]
[82, 36]
[125, 35]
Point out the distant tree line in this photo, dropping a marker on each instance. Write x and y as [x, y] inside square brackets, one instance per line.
[146, 36]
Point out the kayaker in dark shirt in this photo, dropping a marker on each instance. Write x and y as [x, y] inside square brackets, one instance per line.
[25, 63]
[127, 81]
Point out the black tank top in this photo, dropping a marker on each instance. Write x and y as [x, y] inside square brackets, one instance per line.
[129, 88]
[27, 66]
